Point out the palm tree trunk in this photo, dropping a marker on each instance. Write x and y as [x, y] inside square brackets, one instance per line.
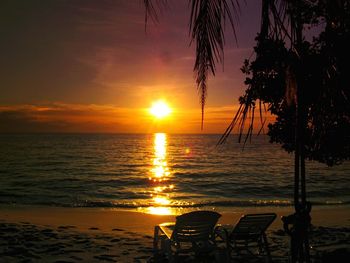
[301, 251]
[265, 21]
[296, 166]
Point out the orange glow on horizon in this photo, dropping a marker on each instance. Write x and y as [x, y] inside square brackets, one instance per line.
[103, 118]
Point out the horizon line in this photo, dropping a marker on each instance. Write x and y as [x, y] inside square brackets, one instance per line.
[126, 133]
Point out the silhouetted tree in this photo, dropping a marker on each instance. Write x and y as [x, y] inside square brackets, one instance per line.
[305, 84]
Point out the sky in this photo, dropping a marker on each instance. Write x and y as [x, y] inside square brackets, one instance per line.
[90, 66]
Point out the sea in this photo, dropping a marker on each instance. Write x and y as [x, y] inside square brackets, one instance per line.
[158, 173]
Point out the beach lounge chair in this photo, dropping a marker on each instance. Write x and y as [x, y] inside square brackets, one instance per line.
[247, 236]
[191, 233]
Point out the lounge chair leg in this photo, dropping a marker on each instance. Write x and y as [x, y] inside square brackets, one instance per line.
[266, 245]
[156, 238]
[228, 250]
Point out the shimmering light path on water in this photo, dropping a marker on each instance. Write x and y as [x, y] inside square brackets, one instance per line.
[159, 176]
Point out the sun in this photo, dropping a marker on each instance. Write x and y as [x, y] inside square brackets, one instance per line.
[160, 109]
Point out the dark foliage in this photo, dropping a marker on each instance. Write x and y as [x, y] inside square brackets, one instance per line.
[318, 71]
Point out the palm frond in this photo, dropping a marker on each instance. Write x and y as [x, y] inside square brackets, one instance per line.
[152, 9]
[207, 23]
[274, 25]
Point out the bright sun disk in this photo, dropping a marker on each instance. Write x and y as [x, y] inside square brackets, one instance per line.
[160, 109]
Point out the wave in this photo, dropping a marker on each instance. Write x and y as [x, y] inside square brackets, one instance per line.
[217, 204]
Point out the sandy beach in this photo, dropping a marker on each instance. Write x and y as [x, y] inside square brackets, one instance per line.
[51, 234]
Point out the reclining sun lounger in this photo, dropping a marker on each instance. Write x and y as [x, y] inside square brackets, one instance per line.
[192, 232]
[248, 234]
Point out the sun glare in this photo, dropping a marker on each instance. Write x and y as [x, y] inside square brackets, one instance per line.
[160, 109]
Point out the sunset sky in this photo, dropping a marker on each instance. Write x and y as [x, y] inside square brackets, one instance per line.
[89, 66]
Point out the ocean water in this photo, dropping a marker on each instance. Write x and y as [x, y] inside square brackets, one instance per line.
[157, 172]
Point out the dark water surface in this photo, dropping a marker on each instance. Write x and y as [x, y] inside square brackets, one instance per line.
[156, 172]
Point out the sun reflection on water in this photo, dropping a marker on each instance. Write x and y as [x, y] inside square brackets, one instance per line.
[160, 170]
[159, 175]
[159, 210]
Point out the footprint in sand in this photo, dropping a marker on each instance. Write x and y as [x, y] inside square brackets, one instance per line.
[131, 233]
[76, 258]
[117, 229]
[66, 227]
[106, 258]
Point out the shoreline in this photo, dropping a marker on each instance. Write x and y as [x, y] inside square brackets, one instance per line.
[60, 234]
[106, 218]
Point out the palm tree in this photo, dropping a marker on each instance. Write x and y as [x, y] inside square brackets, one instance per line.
[303, 83]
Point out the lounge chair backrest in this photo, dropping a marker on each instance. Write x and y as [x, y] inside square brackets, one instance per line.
[253, 225]
[195, 226]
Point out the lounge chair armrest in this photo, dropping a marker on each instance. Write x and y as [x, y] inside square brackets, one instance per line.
[167, 229]
[223, 231]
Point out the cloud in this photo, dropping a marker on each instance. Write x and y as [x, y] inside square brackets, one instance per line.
[21, 121]
[65, 118]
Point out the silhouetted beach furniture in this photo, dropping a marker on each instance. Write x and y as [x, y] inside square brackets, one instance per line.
[191, 233]
[247, 235]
